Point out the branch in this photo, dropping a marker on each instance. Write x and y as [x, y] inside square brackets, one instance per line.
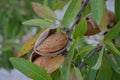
[97, 49]
[84, 3]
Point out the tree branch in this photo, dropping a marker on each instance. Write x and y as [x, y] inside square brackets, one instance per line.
[92, 53]
[78, 18]
[84, 3]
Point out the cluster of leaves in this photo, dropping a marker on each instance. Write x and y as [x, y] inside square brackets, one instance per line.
[12, 14]
[104, 65]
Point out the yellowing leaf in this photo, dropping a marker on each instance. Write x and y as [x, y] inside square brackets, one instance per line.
[43, 11]
[30, 44]
[104, 21]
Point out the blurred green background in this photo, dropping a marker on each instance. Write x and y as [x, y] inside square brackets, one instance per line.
[13, 34]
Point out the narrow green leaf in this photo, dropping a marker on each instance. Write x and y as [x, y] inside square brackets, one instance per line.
[86, 11]
[37, 22]
[117, 9]
[84, 51]
[91, 62]
[104, 21]
[80, 29]
[30, 44]
[72, 49]
[117, 58]
[43, 11]
[76, 74]
[56, 75]
[112, 63]
[97, 9]
[60, 5]
[99, 61]
[115, 76]
[5, 59]
[105, 72]
[65, 69]
[71, 12]
[110, 46]
[113, 32]
[92, 74]
[29, 69]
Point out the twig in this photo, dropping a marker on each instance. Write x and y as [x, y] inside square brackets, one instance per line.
[78, 18]
[84, 3]
[97, 49]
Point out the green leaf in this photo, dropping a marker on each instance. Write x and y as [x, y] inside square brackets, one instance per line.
[84, 51]
[112, 63]
[65, 69]
[71, 12]
[76, 74]
[37, 22]
[60, 5]
[43, 11]
[99, 61]
[30, 44]
[117, 58]
[80, 29]
[92, 74]
[56, 75]
[91, 62]
[113, 32]
[86, 11]
[104, 21]
[105, 72]
[29, 69]
[110, 46]
[117, 9]
[72, 49]
[115, 76]
[97, 9]
[5, 59]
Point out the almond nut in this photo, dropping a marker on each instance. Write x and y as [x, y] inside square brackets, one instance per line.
[50, 64]
[111, 17]
[92, 27]
[53, 43]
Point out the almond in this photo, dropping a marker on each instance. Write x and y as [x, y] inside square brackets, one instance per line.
[91, 30]
[50, 64]
[92, 27]
[111, 17]
[53, 43]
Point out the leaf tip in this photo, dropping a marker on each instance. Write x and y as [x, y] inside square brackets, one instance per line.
[11, 59]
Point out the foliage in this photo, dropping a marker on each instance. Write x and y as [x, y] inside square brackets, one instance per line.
[12, 14]
[101, 62]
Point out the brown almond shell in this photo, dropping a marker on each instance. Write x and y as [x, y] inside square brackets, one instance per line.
[49, 63]
[53, 43]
